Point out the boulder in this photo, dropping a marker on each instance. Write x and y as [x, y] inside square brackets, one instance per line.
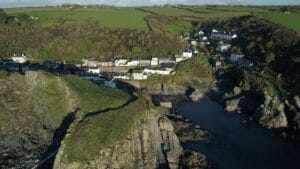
[232, 105]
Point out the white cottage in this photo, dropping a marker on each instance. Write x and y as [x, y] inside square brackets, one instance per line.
[139, 76]
[19, 59]
[223, 47]
[94, 70]
[235, 57]
[187, 54]
[121, 62]
[154, 61]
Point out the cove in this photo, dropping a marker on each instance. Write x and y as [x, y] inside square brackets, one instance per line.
[235, 145]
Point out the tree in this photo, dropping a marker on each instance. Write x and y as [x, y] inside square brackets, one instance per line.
[270, 57]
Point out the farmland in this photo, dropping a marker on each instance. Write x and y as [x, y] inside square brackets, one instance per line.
[115, 31]
[289, 20]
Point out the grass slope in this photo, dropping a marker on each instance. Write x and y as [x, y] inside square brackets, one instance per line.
[290, 20]
[110, 17]
[104, 130]
[93, 97]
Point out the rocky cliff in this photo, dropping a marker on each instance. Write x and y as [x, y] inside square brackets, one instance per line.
[37, 108]
[150, 142]
[27, 122]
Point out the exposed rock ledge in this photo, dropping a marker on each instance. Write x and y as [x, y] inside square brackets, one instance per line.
[152, 144]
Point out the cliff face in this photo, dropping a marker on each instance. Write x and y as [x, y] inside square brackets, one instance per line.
[37, 108]
[150, 143]
[31, 109]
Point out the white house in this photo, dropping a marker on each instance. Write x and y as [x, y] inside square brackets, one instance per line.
[19, 59]
[94, 70]
[120, 62]
[194, 43]
[201, 33]
[139, 76]
[144, 62]
[160, 71]
[154, 62]
[133, 63]
[223, 47]
[106, 64]
[89, 63]
[204, 38]
[124, 77]
[195, 51]
[218, 64]
[179, 58]
[234, 57]
[110, 84]
[187, 54]
[165, 60]
[223, 36]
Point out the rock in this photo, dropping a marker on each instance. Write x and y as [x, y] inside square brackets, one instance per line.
[151, 144]
[186, 131]
[297, 101]
[237, 91]
[232, 105]
[271, 114]
[197, 95]
[193, 160]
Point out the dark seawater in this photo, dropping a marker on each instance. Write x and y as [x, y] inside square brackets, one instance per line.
[236, 145]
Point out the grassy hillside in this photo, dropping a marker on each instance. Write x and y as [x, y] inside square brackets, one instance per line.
[288, 20]
[93, 97]
[64, 33]
[109, 17]
[52, 96]
[104, 130]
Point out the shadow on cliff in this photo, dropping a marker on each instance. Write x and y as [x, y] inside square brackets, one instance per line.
[49, 156]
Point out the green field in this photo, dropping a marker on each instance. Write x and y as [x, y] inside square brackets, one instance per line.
[109, 17]
[290, 20]
[93, 97]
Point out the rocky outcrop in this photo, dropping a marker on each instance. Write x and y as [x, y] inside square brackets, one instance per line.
[27, 126]
[186, 131]
[272, 113]
[197, 95]
[193, 160]
[151, 144]
[233, 100]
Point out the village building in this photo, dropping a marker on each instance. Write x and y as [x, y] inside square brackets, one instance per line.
[94, 70]
[223, 47]
[201, 33]
[106, 64]
[110, 84]
[139, 76]
[218, 64]
[144, 62]
[165, 60]
[234, 57]
[133, 63]
[122, 76]
[194, 43]
[223, 36]
[244, 63]
[159, 71]
[179, 58]
[89, 63]
[19, 59]
[187, 54]
[120, 62]
[154, 62]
